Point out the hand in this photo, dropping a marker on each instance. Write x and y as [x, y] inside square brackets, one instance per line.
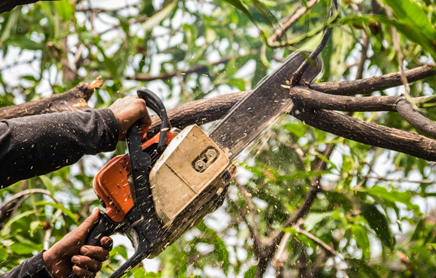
[128, 110]
[59, 259]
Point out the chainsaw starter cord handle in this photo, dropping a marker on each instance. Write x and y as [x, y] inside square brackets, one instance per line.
[155, 104]
[104, 227]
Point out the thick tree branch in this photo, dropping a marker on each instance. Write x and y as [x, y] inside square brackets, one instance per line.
[343, 103]
[377, 83]
[368, 133]
[72, 100]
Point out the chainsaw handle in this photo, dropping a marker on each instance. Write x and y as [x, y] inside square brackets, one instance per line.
[155, 104]
[104, 227]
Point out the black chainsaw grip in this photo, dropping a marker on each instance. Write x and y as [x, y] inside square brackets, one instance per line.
[104, 227]
[156, 104]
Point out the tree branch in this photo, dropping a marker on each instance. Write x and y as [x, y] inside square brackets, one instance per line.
[368, 133]
[289, 21]
[72, 100]
[415, 118]
[314, 99]
[377, 83]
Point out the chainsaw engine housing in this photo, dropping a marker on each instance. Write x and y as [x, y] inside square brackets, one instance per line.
[191, 165]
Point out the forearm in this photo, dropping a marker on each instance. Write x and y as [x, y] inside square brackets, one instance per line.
[7, 5]
[30, 268]
[37, 145]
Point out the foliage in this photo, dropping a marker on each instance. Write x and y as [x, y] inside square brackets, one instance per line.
[375, 209]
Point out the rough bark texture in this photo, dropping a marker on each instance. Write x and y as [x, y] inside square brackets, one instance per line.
[377, 83]
[368, 133]
[72, 100]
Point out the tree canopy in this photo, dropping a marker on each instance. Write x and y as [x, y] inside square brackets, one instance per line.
[343, 186]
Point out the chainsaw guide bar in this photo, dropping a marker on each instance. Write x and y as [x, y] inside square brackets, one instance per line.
[249, 117]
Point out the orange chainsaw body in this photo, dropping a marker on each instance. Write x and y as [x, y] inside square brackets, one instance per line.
[112, 186]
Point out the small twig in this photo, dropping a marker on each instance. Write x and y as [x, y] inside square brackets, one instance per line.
[47, 235]
[399, 180]
[278, 33]
[183, 86]
[256, 240]
[278, 257]
[363, 56]
[399, 54]
[325, 246]
[296, 77]
[251, 211]
[318, 241]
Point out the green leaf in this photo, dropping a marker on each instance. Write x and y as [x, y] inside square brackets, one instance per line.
[25, 248]
[313, 219]
[119, 250]
[378, 222]
[410, 31]
[25, 43]
[5, 229]
[47, 183]
[3, 254]
[62, 208]
[361, 236]
[360, 269]
[65, 9]
[412, 14]
[298, 130]
[10, 25]
[394, 196]
[251, 272]
[158, 17]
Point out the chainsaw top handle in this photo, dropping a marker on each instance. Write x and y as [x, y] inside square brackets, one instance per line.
[155, 104]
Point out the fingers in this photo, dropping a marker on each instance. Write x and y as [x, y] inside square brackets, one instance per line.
[86, 263]
[86, 227]
[95, 252]
[106, 243]
[127, 111]
[82, 272]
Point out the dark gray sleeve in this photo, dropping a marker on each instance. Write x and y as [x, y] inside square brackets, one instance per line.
[30, 268]
[36, 145]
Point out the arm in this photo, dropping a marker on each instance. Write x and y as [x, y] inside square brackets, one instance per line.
[30, 268]
[37, 145]
[7, 5]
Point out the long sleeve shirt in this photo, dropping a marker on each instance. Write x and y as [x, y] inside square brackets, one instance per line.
[37, 145]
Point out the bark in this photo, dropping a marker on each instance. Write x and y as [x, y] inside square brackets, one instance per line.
[368, 133]
[208, 110]
[377, 83]
[72, 100]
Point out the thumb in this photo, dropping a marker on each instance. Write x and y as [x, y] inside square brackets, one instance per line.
[86, 227]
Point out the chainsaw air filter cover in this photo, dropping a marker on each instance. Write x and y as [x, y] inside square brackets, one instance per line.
[192, 166]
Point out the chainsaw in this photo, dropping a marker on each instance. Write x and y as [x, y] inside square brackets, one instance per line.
[167, 184]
